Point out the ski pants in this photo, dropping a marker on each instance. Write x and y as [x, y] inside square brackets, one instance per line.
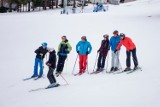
[128, 60]
[61, 61]
[115, 59]
[40, 62]
[82, 63]
[101, 61]
[50, 76]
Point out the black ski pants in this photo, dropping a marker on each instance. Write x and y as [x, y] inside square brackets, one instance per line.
[128, 60]
[101, 61]
[50, 76]
[60, 64]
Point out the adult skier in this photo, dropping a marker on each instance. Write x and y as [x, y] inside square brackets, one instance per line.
[114, 41]
[103, 51]
[51, 63]
[83, 48]
[130, 48]
[40, 54]
[64, 49]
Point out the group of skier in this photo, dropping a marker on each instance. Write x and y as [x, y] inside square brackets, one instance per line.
[83, 48]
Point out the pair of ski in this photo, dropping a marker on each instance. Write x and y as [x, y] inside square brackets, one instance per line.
[127, 72]
[44, 88]
[29, 78]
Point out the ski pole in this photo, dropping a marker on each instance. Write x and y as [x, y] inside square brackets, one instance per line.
[107, 62]
[66, 65]
[87, 66]
[64, 79]
[74, 64]
[95, 62]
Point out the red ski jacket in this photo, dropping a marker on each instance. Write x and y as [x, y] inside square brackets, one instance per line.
[127, 42]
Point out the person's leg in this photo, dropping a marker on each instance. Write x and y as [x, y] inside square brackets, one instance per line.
[85, 62]
[35, 67]
[113, 59]
[41, 67]
[50, 76]
[59, 63]
[99, 61]
[128, 60]
[62, 63]
[134, 57]
[116, 61]
[80, 63]
[103, 61]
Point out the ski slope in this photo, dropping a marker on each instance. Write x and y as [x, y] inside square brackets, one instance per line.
[22, 33]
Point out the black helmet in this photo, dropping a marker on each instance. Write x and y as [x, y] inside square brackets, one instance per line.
[122, 35]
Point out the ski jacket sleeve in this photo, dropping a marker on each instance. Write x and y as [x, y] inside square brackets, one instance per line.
[69, 47]
[119, 45]
[37, 51]
[52, 60]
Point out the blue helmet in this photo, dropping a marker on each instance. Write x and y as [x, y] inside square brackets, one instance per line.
[44, 44]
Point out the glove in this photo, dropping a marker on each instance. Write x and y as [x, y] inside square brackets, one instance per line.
[87, 53]
[57, 53]
[67, 52]
[41, 54]
[98, 51]
[78, 52]
[115, 51]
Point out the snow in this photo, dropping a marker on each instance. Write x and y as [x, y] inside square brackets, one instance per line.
[22, 33]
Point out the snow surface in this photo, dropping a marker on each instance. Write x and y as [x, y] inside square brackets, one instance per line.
[22, 33]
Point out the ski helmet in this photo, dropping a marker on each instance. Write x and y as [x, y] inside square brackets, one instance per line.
[106, 36]
[44, 44]
[115, 32]
[122, 35]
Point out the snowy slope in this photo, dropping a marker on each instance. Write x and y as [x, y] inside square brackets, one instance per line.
[21, 34]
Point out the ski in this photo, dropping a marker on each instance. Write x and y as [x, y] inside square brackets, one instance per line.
[44, 88]
[134, 70]
[29, 78]
[57, 85]
[38, 78]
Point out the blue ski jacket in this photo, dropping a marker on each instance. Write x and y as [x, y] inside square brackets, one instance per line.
[114, 41]
[83, 47]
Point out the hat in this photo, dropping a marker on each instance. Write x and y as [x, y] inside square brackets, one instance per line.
[84, 37]
[122, 35]
[50, 49]
[106, 36]
[44, 44]
[115, 32]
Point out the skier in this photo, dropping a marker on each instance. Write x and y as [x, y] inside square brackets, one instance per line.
[130, 48]
[103, 51]
[64, 48]
[99, 7]
[83, 48]
[51, 63]
[114, 41]
[41, 52]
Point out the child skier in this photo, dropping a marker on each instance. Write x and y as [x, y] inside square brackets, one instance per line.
[51, 63]
[40, 54]
[99, 7]
[103, 51]
[64, 48]
[130, 48]
[114, 41]
[83, 48]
